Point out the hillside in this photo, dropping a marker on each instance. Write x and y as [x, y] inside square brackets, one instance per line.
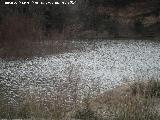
[123, 18]
[85, 19]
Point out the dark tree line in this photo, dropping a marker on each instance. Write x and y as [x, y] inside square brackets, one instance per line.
[60, 17]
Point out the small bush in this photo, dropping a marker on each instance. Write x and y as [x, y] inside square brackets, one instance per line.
[136, 108]
[138, 88]
[153, 88]
[149, 89]
[86, 114]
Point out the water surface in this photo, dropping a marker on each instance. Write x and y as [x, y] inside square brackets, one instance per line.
[106, 61]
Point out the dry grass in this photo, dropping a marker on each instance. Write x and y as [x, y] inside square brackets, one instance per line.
[127, 102]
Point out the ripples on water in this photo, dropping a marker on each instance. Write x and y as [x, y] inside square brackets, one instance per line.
[109, 62]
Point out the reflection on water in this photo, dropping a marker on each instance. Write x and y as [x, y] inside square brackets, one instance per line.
[106, 61]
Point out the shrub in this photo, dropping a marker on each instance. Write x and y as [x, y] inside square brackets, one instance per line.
[85, 114]
[153, 88]
[136, 108]
[149, 89]
[138, 88]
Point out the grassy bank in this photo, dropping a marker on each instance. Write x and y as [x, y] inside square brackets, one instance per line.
[131, 101]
